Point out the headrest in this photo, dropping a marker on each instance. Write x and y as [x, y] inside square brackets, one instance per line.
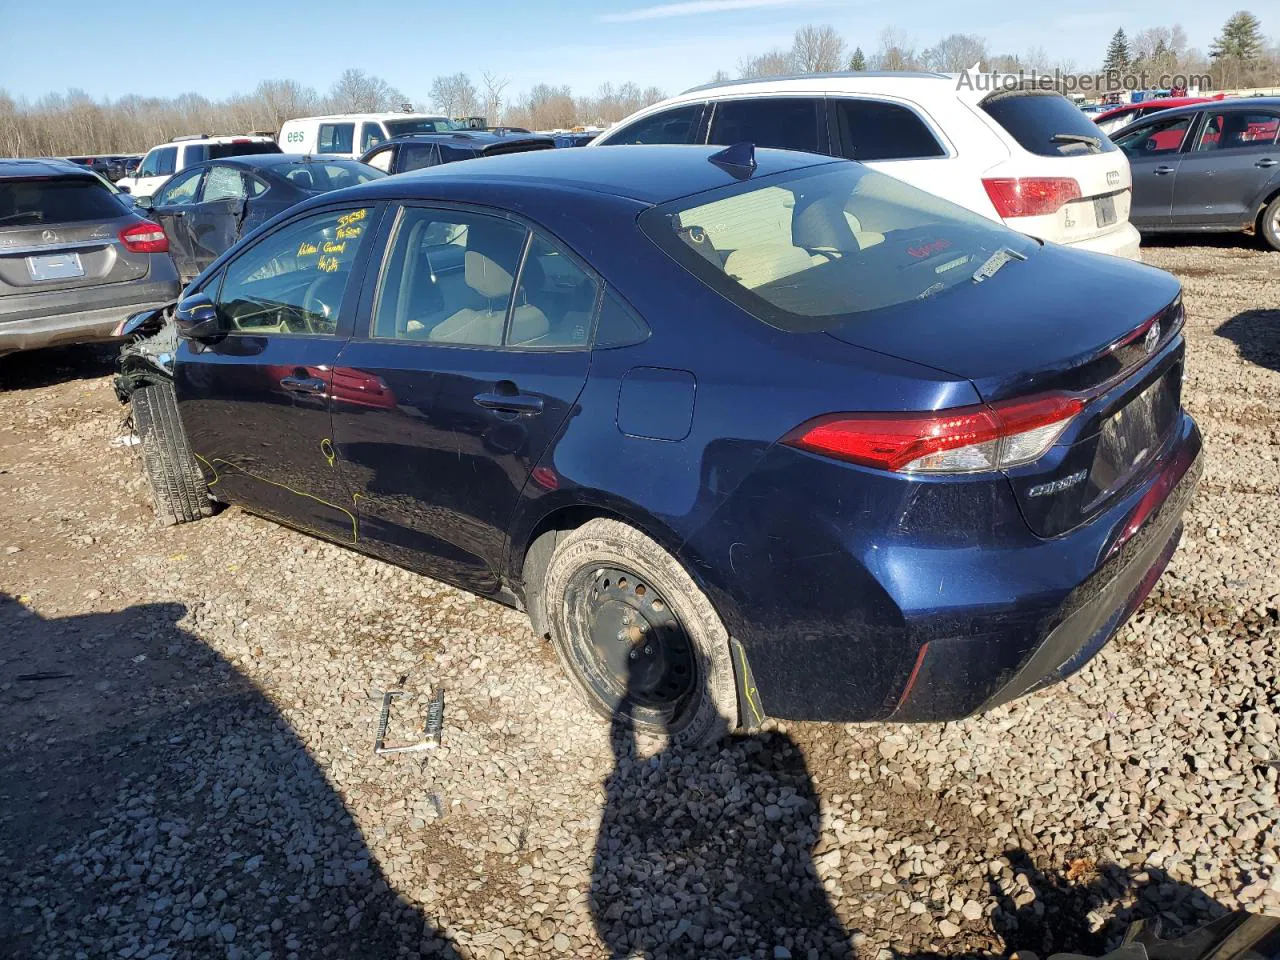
[489, 246]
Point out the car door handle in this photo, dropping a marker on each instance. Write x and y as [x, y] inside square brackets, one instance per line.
[1163, 169]
[1266, 162]
[309, 385]
[521, 403]
[175, 213]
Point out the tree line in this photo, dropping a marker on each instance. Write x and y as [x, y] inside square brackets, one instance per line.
[73, 123]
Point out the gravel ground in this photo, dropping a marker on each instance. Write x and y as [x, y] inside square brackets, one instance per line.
[193, 776]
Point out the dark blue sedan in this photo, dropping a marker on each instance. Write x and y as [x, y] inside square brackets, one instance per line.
[209, 206]
[746, 434]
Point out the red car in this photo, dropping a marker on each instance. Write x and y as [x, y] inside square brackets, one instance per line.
[1112, 120]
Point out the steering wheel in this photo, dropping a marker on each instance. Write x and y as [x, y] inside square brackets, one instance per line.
[317, 310]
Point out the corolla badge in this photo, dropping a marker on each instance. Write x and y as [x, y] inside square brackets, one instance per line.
[1152, 337]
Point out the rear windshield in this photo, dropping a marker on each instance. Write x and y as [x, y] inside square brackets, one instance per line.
[64, 200]
[805, 250]
[331, 175]
[398, 128]
[218, 151]
[1046, 124]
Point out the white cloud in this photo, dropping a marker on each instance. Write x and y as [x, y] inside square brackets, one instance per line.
[690, 8]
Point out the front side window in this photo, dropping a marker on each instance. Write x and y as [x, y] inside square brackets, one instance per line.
[293, 281]
[166, 161]
[449, 278]
[223, 183]
[195, 153]
[875, 130]
[150, 165]
[1237, 130]
[398, 128]
[336, 138]
[808, 249]
[382, 159]
[1155, 137]
[181, 190]
[787, 123]
[677, 125]
[370, 135]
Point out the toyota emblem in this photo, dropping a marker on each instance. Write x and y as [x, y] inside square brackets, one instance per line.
[1152, 337]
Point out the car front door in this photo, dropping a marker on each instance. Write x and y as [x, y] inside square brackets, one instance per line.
[172, 207]
[214, 222]
[254, 400]
[1221, 179]
[1154, 149]
[452, 388]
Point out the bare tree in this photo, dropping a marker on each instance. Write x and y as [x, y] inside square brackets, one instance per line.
[817, 49]
[493, 87]
[358, 92]
[897, 51]
[959, 51]
[283, 100]
[774, 63]
[721, 76]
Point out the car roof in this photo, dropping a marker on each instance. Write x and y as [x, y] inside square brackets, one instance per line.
[42, 167]
[822, 80]
[387, 115]
[261, 160]
[1236, 103]
[1159, 102]
[647, 174]
[479, 138]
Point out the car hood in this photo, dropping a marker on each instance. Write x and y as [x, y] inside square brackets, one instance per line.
[1051, 322]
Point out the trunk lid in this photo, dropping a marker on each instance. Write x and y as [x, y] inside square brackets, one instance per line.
[1033, 328]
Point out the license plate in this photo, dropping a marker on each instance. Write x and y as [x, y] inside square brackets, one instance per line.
[55, 266]
[1135, 432]
[1104, 211]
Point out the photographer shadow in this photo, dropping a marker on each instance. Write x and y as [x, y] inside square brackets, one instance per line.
[154, 802]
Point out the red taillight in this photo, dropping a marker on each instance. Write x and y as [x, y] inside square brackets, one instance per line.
[1030, 196]
[144, 237]
[958, 440]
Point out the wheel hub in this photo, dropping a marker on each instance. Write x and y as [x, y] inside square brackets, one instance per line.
[636, 638]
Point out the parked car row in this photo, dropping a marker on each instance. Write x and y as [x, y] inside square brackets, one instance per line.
[538, 376]
[113, 166]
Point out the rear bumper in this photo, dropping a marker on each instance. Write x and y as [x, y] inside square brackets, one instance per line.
[1125, 242]
[929, 601]
[29, 323]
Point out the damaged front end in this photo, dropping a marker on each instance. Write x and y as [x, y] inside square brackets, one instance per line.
[148, 355]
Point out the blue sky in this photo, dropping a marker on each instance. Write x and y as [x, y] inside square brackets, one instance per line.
[218, 47]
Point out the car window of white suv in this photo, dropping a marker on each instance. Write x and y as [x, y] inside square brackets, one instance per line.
[876, 130]
[677, 125]
[786, 123]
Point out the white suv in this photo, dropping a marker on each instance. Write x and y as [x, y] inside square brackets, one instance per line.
[167, 159]
[1027, 158]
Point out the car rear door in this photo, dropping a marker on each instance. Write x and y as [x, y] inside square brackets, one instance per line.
[1222, 177]
[213, 224]
[172, 207]
[1154, 148]
[448, 395]
[786, 123]
[255, 400]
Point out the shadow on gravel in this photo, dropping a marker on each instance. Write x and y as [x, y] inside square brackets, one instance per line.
[708, 853]
[1221, 241]
[1048, 913]
[53, 365]
[1256, 334]
[154, 803]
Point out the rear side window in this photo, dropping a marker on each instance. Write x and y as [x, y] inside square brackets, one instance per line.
[67, 200]
[336, 138]
[1237, 129]
[787, 123]
[195, 153]
[222, 183]
[249, 148]
[811, 249]
[875, 130]
[677, 125]
[370, 135]
[416, 156]
[166, 161]
[1045, 124]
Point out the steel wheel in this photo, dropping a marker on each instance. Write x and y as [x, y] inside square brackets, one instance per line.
[635, 653]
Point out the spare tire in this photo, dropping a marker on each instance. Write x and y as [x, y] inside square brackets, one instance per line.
[177, 485]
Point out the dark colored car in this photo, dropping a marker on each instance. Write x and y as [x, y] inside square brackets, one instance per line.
[206, 208]
[110, 167]
[417, 151]
[1112, 119]
[746, 433]
[1212, 167]
[75, 259]
[575, 139]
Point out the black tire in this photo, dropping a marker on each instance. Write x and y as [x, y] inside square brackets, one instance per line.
[708, 709]
[1270, 223]
[177, 486]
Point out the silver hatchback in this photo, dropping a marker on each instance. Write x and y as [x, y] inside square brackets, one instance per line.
[75, 258]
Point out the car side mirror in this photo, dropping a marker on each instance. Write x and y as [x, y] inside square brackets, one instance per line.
[197, 318]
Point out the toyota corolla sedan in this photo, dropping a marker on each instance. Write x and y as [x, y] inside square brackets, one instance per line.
[746, 433]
